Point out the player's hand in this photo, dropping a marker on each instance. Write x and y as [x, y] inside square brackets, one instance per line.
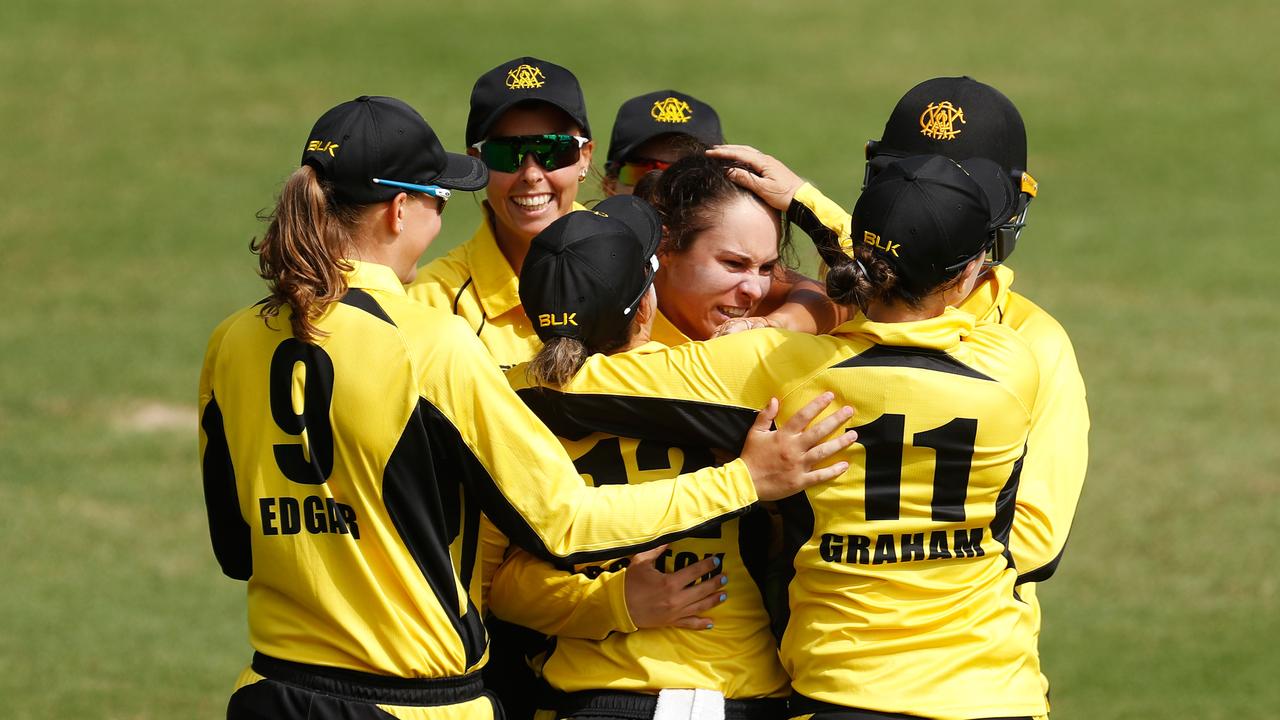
[769, 178]
[735, 325]
[787, 460]
[658, 599]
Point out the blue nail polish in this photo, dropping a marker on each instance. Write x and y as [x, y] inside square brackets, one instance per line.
[724, 579]
[724, 596]
[717, 559]
[709, 626]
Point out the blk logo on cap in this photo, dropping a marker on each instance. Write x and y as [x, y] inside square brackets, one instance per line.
[938, 120]
[558, 319]
[525, 77]
[880, 243]
[323, 146]
[672, 110]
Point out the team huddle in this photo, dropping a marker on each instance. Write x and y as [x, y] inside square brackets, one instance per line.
[624, 462]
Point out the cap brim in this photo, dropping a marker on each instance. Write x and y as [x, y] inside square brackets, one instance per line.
[463, 172]
[994, 181]
[499, 111]
[637, 215]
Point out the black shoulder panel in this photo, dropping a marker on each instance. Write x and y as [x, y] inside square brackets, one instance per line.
[358, 298]
[227, 527]
[912, 357]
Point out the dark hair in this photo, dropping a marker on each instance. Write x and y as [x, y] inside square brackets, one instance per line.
[689, 196]
[301, 256]
[866, 277]
[560, 358]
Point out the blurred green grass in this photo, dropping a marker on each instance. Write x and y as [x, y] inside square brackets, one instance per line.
[141, 137]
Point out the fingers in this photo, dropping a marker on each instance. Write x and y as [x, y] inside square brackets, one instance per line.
[827, 425]
[821, 475]
[687, 575]
[805, 415]
[694, 623]
[648, 557]
[744, 154]
[748, 180]
[765, 418]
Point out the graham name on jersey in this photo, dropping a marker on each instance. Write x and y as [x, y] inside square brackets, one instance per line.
[906, 547]
[316, 515]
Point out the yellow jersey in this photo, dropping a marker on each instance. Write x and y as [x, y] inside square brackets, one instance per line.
[475, 282]
[1058, 450]
[901, 589]
[344, 481]
[737, 657]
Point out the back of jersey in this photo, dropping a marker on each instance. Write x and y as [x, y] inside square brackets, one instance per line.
[322, 493]
[902, 592]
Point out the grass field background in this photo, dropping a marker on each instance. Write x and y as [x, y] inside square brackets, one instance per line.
[139, 138]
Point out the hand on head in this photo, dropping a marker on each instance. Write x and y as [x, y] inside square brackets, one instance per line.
[769, 178]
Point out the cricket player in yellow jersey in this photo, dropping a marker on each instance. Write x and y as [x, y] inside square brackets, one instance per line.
[588, 281]
[350, 437]
[901, 594]
[528, 124]
[961, 118]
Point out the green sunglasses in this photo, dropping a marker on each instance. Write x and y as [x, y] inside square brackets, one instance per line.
[552, 152]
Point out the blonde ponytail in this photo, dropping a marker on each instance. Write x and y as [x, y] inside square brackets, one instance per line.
[301, 256]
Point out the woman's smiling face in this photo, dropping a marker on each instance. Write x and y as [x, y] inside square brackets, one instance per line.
[526, 201]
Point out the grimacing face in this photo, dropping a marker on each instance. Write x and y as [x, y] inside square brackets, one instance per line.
[725, 272]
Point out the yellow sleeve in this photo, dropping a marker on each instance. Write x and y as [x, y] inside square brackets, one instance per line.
[1057, 455]
[825, 210]
[493, 547]
[699, 393]
[568, 604]
[484, 435]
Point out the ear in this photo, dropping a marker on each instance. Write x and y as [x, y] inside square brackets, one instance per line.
[396, 213]
[587, 151]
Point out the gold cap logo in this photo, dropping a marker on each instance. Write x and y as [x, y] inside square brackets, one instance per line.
[880, 243]
[525, 77]
[938, 120]
[672, 110]
[322, 146]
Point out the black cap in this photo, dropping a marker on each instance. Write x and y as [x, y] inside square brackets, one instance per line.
[586, 273]
[524, 79]
[960, 118]
[659, 113]
[928, 215]
[382, 137]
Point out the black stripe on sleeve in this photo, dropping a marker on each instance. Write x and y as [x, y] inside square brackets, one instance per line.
[797, 529]
[1043, 572]
[358, 298]
[227, 527]
[453, 458]
[912, 357]
[1006, 503]
[803, 217]
[679, 423]
[423, 502]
